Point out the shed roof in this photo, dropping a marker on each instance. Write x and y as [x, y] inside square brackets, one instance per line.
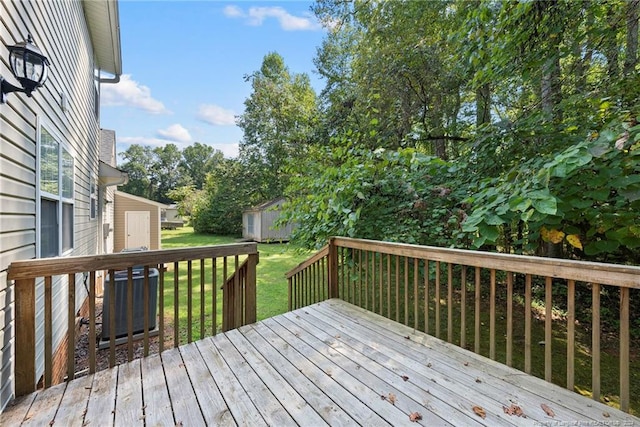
[266, 205]
[140, 199]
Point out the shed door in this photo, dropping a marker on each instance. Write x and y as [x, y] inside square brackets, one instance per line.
[138, 228]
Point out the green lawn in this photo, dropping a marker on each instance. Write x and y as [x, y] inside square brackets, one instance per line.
[272, 299]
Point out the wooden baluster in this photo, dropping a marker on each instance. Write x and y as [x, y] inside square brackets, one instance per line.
[373, 282]
[334, 287]
[527, 324]
[476, 342]
[624, 349]
[416, 278]
[189, 301]
[436, 299]
[449, 302]
[463, 307]
[595, 341]
[381, 280]
[397, 289]
[406, 291]
[548, 331]
[290, 292]
[202, 297]
[366, 280]
[176, 304]
[509, 356]
[239, 309]
[325, 287]
[359, 278]
[161, 308]
[92, 322]
[112, 318]
[389, 286]
[145, 297]
[492, 316]
[71, 328]
[129, 314]
[227, 298]
[25, 361]
[214, 296]
[571, 325]
[48, 333]
[250, 289]
[426, 296]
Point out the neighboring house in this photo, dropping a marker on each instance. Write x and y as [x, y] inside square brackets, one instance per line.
[258, 223]
[49, 154]
[136, 222]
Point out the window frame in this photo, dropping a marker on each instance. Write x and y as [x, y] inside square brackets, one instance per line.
[65, 196]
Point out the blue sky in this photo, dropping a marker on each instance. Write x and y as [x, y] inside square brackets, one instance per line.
[184, 63]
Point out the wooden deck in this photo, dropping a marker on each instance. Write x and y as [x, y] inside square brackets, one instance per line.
[329, 363]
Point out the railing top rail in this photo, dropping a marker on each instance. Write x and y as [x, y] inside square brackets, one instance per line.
[304, 264]
[32, 268]
[585, 271]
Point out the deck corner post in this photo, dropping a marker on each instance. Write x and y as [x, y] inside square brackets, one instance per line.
[333, 269]
[250, 307]
[25, 333]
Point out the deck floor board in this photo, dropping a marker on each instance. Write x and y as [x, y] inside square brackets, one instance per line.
[331, 363]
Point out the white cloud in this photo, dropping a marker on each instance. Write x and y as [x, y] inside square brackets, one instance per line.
[130, 93]
[233, 12]
[176, 133]
[215, 115]
[230, 150]
[256, 16]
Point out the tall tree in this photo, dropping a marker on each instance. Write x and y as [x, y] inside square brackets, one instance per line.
[197, 161]
[277, 122]
[138, 162]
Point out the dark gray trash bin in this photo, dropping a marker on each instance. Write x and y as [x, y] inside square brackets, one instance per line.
[121, 280]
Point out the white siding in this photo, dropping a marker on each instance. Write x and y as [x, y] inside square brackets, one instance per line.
[59, 29]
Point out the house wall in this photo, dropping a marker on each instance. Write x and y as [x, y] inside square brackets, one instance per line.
[59, 29]
[125, 202]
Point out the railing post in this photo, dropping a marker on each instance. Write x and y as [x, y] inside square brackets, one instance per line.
[250, 306]
[25, 342]
[333, 269]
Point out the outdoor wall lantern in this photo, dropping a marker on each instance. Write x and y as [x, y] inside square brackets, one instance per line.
[28, 65]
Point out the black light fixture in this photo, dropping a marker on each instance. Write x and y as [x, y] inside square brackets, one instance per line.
[28, 65]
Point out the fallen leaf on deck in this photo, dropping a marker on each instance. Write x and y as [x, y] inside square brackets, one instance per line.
[479, 410]
[392, 398]
[466, 363]
[547, 410]
[406, 378]
[428, 365]
[407, 337]
[606, 414]
[513, 410]
[478, 380]
[414, 417]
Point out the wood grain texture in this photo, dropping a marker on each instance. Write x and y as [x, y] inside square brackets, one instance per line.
[329, 363]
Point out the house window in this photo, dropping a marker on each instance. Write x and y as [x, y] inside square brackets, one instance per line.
[56, 197]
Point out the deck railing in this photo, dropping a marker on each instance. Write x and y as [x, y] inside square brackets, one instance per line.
[207, 270]
[474, 299]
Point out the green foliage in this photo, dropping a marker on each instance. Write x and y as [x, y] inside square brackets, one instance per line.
[400, 195]
[590, 190]
[219, 208]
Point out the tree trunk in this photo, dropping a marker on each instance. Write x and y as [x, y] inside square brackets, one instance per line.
[483, 105]
[631, 59]
[550, 86]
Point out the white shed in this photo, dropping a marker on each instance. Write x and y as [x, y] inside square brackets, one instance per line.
[258, 223]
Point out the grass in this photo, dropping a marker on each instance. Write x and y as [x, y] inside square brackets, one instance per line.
[272, 293]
